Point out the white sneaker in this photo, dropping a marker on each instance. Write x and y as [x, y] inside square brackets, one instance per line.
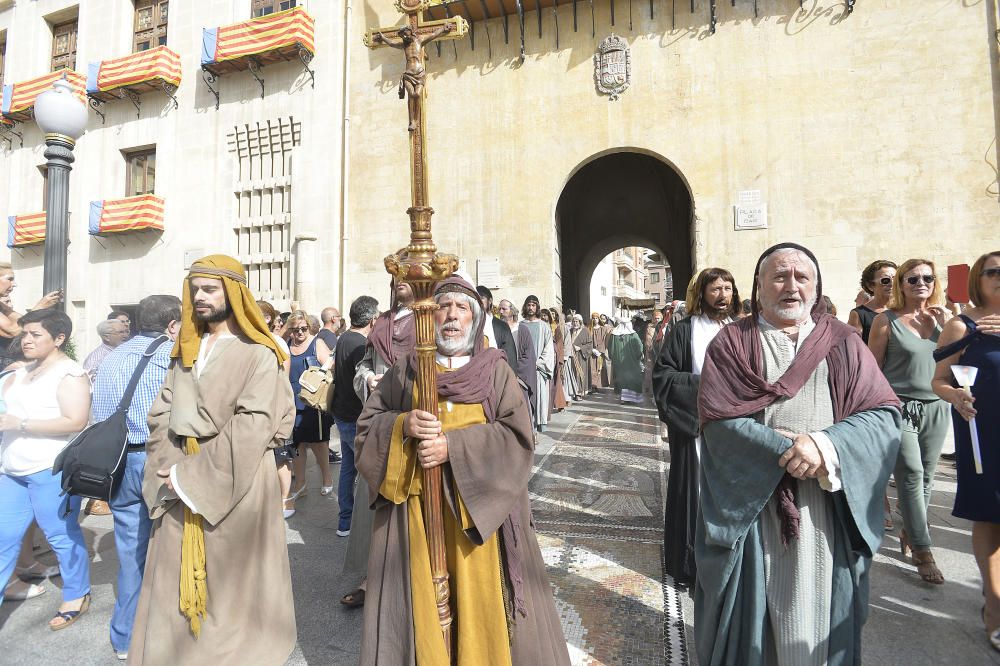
[343, 533]
[122, 656]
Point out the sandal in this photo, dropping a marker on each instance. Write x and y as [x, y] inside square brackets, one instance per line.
[301, 491]
[904, 543]
[69, 617]
[354, 599]
[21, 590]
[927, 567]
[325, 490]
[287, 511]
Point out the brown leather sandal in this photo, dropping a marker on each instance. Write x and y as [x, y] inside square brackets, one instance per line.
[927, 567]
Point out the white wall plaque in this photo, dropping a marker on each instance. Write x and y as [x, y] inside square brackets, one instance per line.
[750, 212]
[488, 272]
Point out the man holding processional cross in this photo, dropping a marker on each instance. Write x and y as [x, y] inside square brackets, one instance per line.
[445, 443]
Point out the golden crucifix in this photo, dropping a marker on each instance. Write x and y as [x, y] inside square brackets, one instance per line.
[419, 264]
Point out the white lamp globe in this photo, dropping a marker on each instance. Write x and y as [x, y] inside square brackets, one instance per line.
[58, 111]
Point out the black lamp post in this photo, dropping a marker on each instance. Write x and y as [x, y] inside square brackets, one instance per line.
[61, 117]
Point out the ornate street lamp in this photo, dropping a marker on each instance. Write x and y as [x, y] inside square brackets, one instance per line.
[61, 117]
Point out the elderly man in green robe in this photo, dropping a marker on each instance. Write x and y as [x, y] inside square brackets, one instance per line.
[800, 432]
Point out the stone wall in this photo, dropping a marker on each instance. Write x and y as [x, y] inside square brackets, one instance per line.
[871, 135]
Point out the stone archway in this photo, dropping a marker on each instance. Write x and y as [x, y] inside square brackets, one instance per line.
[621, 199]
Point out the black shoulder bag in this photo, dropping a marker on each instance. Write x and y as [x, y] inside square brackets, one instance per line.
[93, 464]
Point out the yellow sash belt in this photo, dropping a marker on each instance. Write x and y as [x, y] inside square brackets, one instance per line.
[194, 580]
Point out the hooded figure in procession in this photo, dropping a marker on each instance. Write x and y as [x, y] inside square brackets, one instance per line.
[800, 431]
[502, 605]
[217, 587]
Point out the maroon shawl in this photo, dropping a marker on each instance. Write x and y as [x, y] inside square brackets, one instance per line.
[393, 339]
[733, 384]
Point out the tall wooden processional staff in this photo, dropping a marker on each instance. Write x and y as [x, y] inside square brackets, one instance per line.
[419, 264]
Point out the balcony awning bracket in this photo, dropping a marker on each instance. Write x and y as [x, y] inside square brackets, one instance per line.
[96, 104]
[305, 57]
[125, 93]
[209, 78]
[9, 132]
[520, 22]
[254, 66]
[171, 92]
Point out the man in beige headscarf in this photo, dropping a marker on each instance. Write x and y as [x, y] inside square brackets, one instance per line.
[217, 587]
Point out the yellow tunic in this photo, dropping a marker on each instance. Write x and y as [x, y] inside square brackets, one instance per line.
[477, 596]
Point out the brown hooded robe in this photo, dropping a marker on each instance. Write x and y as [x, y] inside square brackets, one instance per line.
[489, 467]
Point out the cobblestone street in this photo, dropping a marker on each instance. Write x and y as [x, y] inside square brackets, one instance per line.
[597, 494]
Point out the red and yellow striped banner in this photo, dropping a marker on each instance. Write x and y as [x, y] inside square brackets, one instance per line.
[129, 214]
[265, 33]
[25, 230]
[24, 93]
[160, 64]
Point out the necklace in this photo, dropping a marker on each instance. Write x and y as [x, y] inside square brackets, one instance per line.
[38, 370]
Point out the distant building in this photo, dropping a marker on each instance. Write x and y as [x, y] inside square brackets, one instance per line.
[660, 284]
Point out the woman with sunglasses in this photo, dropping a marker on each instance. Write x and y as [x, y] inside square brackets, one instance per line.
[903, 339]
[312, 427]
[876, 282]
[973, 339]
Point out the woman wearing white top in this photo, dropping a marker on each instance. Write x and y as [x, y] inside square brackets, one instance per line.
[48, 402]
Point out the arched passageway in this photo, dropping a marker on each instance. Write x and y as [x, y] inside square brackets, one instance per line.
[621, 199]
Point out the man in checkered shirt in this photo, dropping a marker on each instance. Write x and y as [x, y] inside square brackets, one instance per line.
[158, 316]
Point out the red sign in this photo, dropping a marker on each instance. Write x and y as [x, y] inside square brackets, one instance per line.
[958, 283]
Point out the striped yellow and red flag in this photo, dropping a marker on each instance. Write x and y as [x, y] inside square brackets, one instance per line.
[25, 230]
[259, 35]
[144, 211]
[158, 64]
[19, 98]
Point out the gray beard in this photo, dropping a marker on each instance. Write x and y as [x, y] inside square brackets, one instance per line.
[454, 346]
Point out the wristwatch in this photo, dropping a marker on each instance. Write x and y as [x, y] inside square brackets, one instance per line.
[24, 425]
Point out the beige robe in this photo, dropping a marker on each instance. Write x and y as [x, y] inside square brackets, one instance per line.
[239, 408]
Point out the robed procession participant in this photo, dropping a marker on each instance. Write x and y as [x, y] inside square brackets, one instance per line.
[577, 375]
[625, 351]
[501, 602]
[217, 588]
[599, 334]
[557, 392]
[541, 340]
[800, 432]
[675, 387]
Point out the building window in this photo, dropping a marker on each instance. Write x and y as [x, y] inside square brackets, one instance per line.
[140, 172]
[604, 291]
[656, 298]
[3, 53]
[265, 7]
[64, 45]
[654, 278]
[150, 24]
[262, 232]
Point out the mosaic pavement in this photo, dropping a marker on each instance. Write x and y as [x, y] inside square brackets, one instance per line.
[597, 497]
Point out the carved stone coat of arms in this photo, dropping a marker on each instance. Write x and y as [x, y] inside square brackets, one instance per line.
[613, 66]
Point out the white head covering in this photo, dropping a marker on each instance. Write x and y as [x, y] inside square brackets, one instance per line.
[622, 326]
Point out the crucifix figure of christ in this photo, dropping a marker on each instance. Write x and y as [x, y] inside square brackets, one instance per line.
[420, 265]
[411, 83]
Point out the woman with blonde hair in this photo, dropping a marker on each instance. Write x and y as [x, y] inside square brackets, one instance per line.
[973, 339]
[903, 339]
[312, 427]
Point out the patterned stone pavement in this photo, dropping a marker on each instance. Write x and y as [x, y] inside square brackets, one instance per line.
[597, 497]
[598, 491]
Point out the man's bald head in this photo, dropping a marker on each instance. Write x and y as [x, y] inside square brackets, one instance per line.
[330, 317]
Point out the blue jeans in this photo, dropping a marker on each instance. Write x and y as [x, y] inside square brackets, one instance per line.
[348, 472]
[37, 496]
[132, 526]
